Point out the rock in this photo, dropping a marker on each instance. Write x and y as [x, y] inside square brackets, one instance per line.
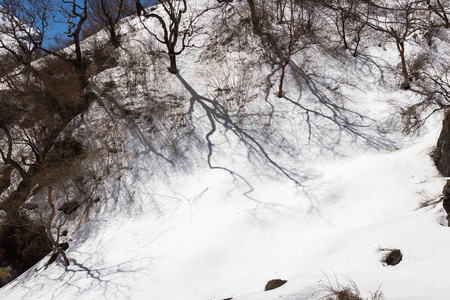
[69, 207]
[441, 155]
[274, 283]
[64, 246]
[22, 244]
[5, 275]
[3, 216]
[446, 200]
[394, 257]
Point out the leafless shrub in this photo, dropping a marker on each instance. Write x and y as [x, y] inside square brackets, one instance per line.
[434, 87]
[417, 65]
[408, 118]
[169, 30]
[439, 8]
[281, 42]
[230, 80]
[338, 291]
[229, 29]
[101, 54]
[399, 24]
[428, 200]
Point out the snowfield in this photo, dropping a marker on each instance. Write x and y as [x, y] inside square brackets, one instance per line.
[309, 188]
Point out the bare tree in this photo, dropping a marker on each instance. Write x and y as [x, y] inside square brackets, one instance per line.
[24, 29]
[283, 41]
[108, 13]
[38, 103]
[173, 34]
[399, 23]
[254, 17]
[281, 10]
[53, 172]
[435, 90]
[75, 13]
[140, 10]
[344, 14]
[441, 9]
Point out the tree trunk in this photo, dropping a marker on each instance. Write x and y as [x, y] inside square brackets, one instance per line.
[139, 8]
[55, 243]
[254, 17]
[114, 38]
[280, 87]
[12, 204]
[343, 35]
[401, 49]
[5, 178]
[358, 40]
[173, 63]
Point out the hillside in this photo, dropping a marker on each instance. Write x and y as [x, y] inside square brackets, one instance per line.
[217, 185]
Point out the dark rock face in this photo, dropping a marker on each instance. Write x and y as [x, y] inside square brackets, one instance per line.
[446, 200]
[394, 257]
[22, 244]
[274, 283]
[6, 275]
[441, 155]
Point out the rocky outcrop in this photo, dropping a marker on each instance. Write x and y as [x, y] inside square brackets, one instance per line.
[446, 200]
[22, 244]
[441, 157]
[5, 275]
[441, 154]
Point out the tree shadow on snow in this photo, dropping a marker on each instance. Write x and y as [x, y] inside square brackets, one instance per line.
[329, 121]
[218, 115]
[90, 279]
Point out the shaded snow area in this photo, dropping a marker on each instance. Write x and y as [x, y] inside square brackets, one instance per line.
[309, 188]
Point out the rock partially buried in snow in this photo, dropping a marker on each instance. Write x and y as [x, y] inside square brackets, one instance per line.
[393, 258]
[274, 283]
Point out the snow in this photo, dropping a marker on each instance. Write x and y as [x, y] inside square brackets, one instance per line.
[313, 197]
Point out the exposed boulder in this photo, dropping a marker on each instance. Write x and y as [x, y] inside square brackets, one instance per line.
[274, 283]
[441, 154]
[394, 257]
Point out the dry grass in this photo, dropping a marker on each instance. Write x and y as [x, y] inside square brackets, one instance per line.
[349, 291]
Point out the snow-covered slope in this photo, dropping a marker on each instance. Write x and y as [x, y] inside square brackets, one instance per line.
[308, 188]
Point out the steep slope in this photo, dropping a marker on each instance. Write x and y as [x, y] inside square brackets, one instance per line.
[250, 187]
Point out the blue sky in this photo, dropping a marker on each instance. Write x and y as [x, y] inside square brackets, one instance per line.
[59, 28]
